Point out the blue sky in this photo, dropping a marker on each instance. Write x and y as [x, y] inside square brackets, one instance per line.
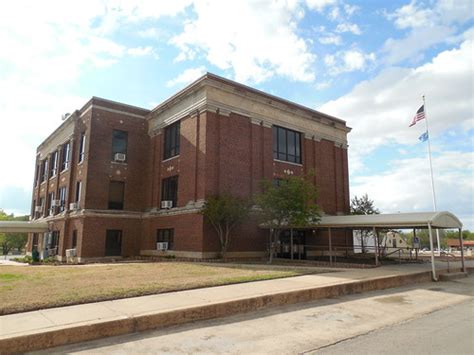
[367, 62]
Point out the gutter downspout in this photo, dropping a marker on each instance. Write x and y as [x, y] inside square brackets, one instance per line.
[433, 269]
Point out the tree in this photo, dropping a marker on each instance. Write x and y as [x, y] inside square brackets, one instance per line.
[289, 204]
[363, 206]
[9, 241]
[224, 212]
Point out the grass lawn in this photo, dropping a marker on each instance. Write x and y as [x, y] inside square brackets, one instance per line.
[26, 288]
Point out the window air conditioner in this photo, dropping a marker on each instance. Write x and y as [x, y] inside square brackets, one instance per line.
[38, 208]
[120, 157]
[167, 204]
[73, 206]
[55, 203]
[71, 253]
[162, 246]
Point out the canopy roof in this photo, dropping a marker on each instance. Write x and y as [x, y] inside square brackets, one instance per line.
[442, 219]
[23, 227]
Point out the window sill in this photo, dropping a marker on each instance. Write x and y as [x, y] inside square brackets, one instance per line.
[168, 159]
[64, 171]
[287, 162]
[119, 162]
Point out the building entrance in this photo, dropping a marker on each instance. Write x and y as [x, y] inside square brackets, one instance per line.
[284, 245]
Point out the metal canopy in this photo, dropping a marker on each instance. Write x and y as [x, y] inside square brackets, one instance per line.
[442, 219]
[23, 227]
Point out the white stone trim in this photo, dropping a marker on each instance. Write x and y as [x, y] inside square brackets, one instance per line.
[103, 108]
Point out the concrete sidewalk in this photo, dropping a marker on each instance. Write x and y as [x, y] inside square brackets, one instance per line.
[64, 325]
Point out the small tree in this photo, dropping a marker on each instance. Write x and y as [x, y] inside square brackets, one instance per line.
[361, 206]
[224, 212]
[289, 204]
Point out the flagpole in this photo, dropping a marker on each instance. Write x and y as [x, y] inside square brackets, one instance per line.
[431, 170]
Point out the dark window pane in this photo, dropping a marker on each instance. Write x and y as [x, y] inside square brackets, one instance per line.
[116, 195]
[172, 138]
[119, 142]
[65, 156]
[169, 190]
[82, 146]
[286, 145]
[113, 243]
[74, 239]
[165, 236]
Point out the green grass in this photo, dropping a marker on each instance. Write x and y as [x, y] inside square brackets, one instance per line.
[26, 288]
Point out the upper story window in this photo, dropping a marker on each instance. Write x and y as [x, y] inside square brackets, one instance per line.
[286, 145]
[119, 145]
[65, 155]
[51, 203]
[62, 198]
[169, 191]
[78, 191]
[37, 167]
[116, 195]
[82, 147]
[171, 145]
[44, 170]
[54, 164]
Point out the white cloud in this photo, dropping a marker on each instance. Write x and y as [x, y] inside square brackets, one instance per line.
[351, 9]
[140, 51]
[348, 61]
[319, 5]
[256, 49]
[406, 185]
[330, 38]
[187, 76]
[348, 27]
[380, 109]
[426, 28]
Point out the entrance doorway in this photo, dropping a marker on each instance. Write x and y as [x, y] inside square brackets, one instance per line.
[284, 245]
[113, 243]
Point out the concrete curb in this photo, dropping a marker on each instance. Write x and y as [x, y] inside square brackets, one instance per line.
[126, 325]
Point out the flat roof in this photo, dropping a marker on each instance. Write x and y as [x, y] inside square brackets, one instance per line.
[23, 227]
[441, 219]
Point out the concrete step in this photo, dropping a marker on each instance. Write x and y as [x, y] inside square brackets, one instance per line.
[452, 276]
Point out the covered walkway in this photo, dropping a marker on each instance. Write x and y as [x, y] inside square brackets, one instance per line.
[23, 227]
[379, 222]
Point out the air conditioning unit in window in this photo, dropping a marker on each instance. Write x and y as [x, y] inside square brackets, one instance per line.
[38, 208]
[55, 203]
[73, 206]
[162, 246]
[167, 204]
[120, 157]
[70, 253]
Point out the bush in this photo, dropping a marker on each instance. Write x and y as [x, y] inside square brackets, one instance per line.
[26, 259]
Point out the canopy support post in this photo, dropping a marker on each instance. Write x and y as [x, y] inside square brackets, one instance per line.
[433, 269]
[376, 247]
[330, 246]
[462, 251]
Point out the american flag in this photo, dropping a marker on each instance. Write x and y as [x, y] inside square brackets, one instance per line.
[420, 114]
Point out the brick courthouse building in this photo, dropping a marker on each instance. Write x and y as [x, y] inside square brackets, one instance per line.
[115, 180]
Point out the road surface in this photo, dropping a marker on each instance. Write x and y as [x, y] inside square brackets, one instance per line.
[431, 318]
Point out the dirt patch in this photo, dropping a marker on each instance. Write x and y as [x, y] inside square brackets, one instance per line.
[393, 299]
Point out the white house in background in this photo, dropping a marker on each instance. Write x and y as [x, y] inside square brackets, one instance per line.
[392, 242]
[389, 242]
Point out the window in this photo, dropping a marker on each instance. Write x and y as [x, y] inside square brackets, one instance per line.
[36, 174]
[82, 147]
[34, 242]
[169, 190]
[78, 191]
[41, 204]
[113, 243]
[165, 236]
[171, 140]
[62, 198]
[286, 145]
[50, 203]
[277, 182]
[52, 242]
[54, 164]
[74, 239]
[44, 170]
[119, 143]
[65, 152]
[33, 214]
[116, 195]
